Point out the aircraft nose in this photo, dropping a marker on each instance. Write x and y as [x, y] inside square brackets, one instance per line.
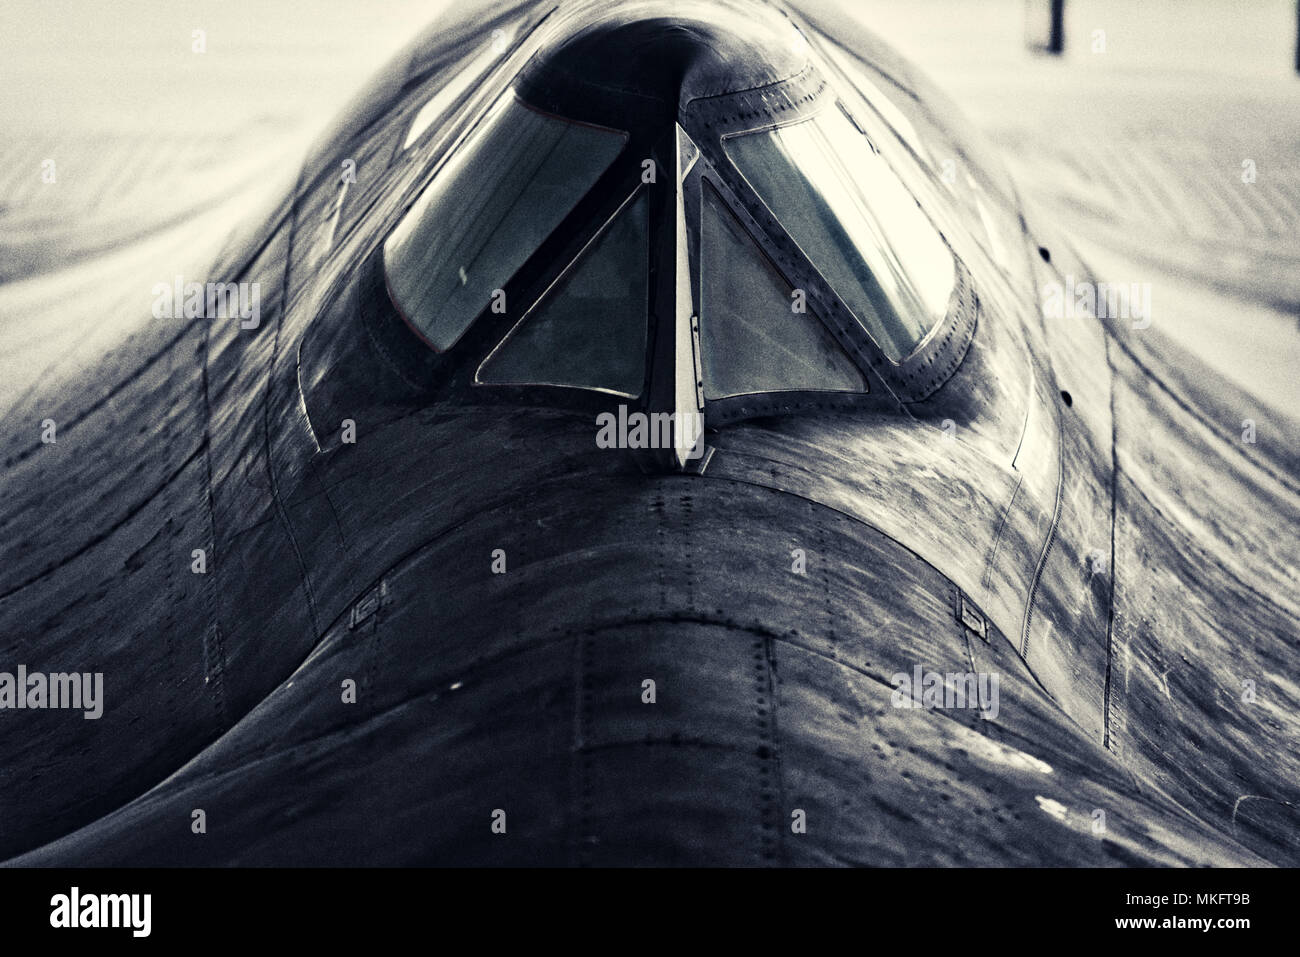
[634, 686]
[595, 676]
[617, 686]
[696, 669]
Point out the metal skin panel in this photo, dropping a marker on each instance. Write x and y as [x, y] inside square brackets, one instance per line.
[371, 562]
[99, 529]
[772, 695]
[1205, 601]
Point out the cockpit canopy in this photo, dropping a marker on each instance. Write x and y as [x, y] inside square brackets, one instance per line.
[679, 211]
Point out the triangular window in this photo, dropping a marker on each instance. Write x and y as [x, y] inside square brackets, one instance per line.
[753, 335]
[589, 330]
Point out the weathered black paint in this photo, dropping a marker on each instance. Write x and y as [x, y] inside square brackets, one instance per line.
[372, 562]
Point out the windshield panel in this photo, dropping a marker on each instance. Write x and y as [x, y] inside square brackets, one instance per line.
[589, 330]
[856, 223]
[490, 207]
[753, 339]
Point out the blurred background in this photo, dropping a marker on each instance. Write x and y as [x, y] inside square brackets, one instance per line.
[1133, 140]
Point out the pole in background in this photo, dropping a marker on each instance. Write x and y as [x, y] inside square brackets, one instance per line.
[1045, 26]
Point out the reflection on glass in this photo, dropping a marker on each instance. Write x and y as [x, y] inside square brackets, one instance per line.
[496, 200]
[751, 337]
[590, 330]
[855, 222]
